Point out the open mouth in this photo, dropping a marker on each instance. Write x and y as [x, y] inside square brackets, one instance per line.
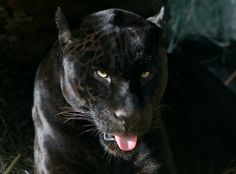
[124, 142]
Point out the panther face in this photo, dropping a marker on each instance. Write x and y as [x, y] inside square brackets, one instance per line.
[115, 65]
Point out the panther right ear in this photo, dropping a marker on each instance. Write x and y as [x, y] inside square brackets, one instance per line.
[158, 18]
[64, 33]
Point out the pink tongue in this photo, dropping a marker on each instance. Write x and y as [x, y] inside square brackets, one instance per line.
[126, 142]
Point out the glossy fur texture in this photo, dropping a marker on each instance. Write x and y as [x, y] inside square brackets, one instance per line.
[105, 78]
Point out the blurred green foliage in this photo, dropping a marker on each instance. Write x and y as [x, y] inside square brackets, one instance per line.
[214, 20]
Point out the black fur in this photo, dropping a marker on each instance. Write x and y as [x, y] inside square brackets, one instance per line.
[74, 106]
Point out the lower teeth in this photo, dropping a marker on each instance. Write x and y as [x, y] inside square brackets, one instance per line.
[108, 137]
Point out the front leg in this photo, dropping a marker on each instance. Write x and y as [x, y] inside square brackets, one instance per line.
[144, 161]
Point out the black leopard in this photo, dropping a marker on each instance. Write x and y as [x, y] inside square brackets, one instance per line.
[96, 96]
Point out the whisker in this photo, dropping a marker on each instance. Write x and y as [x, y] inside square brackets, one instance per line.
[69, 114]
[86, 131]
[105, 154]
[82, 117]
[109, 158]
[97, 132]
[88, 125]
[78, 118]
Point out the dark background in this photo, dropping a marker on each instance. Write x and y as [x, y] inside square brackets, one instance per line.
[200, 40]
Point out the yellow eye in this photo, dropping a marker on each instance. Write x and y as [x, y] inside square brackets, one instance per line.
[102, 74]
[145, 75]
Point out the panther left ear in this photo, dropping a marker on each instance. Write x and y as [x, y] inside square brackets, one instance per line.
[64, 33]
[158, 18]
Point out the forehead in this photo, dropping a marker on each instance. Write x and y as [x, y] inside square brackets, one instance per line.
[115, 40]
